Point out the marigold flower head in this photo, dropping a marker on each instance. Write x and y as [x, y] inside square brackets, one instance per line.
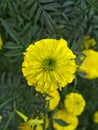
[88, 42]
[71, 120]
[74, 103]
[95, 117]
[53, 99]
[90, 64]
[1, 42]
[49, 64]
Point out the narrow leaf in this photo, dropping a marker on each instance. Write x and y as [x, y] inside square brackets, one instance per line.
[9, 120]
[37, 17]
[17, 52]
[33, 9]
[10, 30]
[46, 1]
[60, 122]
[8, 101]
[48, 21]
[11, 45]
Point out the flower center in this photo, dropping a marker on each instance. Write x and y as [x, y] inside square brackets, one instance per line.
[49, 64]
[77, 102]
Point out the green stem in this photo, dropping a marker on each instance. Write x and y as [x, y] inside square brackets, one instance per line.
[9, 120]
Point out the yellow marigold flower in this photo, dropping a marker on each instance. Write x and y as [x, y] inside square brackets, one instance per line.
[0, 119]
[95, 117]
[1, 42]
[74, 103]
[88, 42]
[49, 64]
[70, 120]
[53, 99]
[90, 64]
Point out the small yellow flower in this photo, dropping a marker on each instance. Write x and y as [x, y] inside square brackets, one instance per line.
[40, 127]
[1, 42]
[28, 124]
[74, 103]
[88, 42]
[0, 119]
[95, 117]
[70, 120]
[49, 64]
[53, 99]
[90, 64]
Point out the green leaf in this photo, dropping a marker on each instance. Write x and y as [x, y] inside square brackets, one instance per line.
[14, 52]
[8, 101]
[33, 9]
[81, 74]
[38, 14]
[17, 59]
[10, 30]
[11, 45]
[48, 21]
[35, 29]
[51, 6]
[27, 27]
[68, 3]
[39, 32]
[46, 1]
[68, 10]
[9, 120]
[60, 122]
[28, 3]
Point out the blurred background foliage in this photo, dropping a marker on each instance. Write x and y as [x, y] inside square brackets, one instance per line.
[23, 22]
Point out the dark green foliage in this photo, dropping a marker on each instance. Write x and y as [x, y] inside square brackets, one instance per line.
[13, 89]
[23, 22]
